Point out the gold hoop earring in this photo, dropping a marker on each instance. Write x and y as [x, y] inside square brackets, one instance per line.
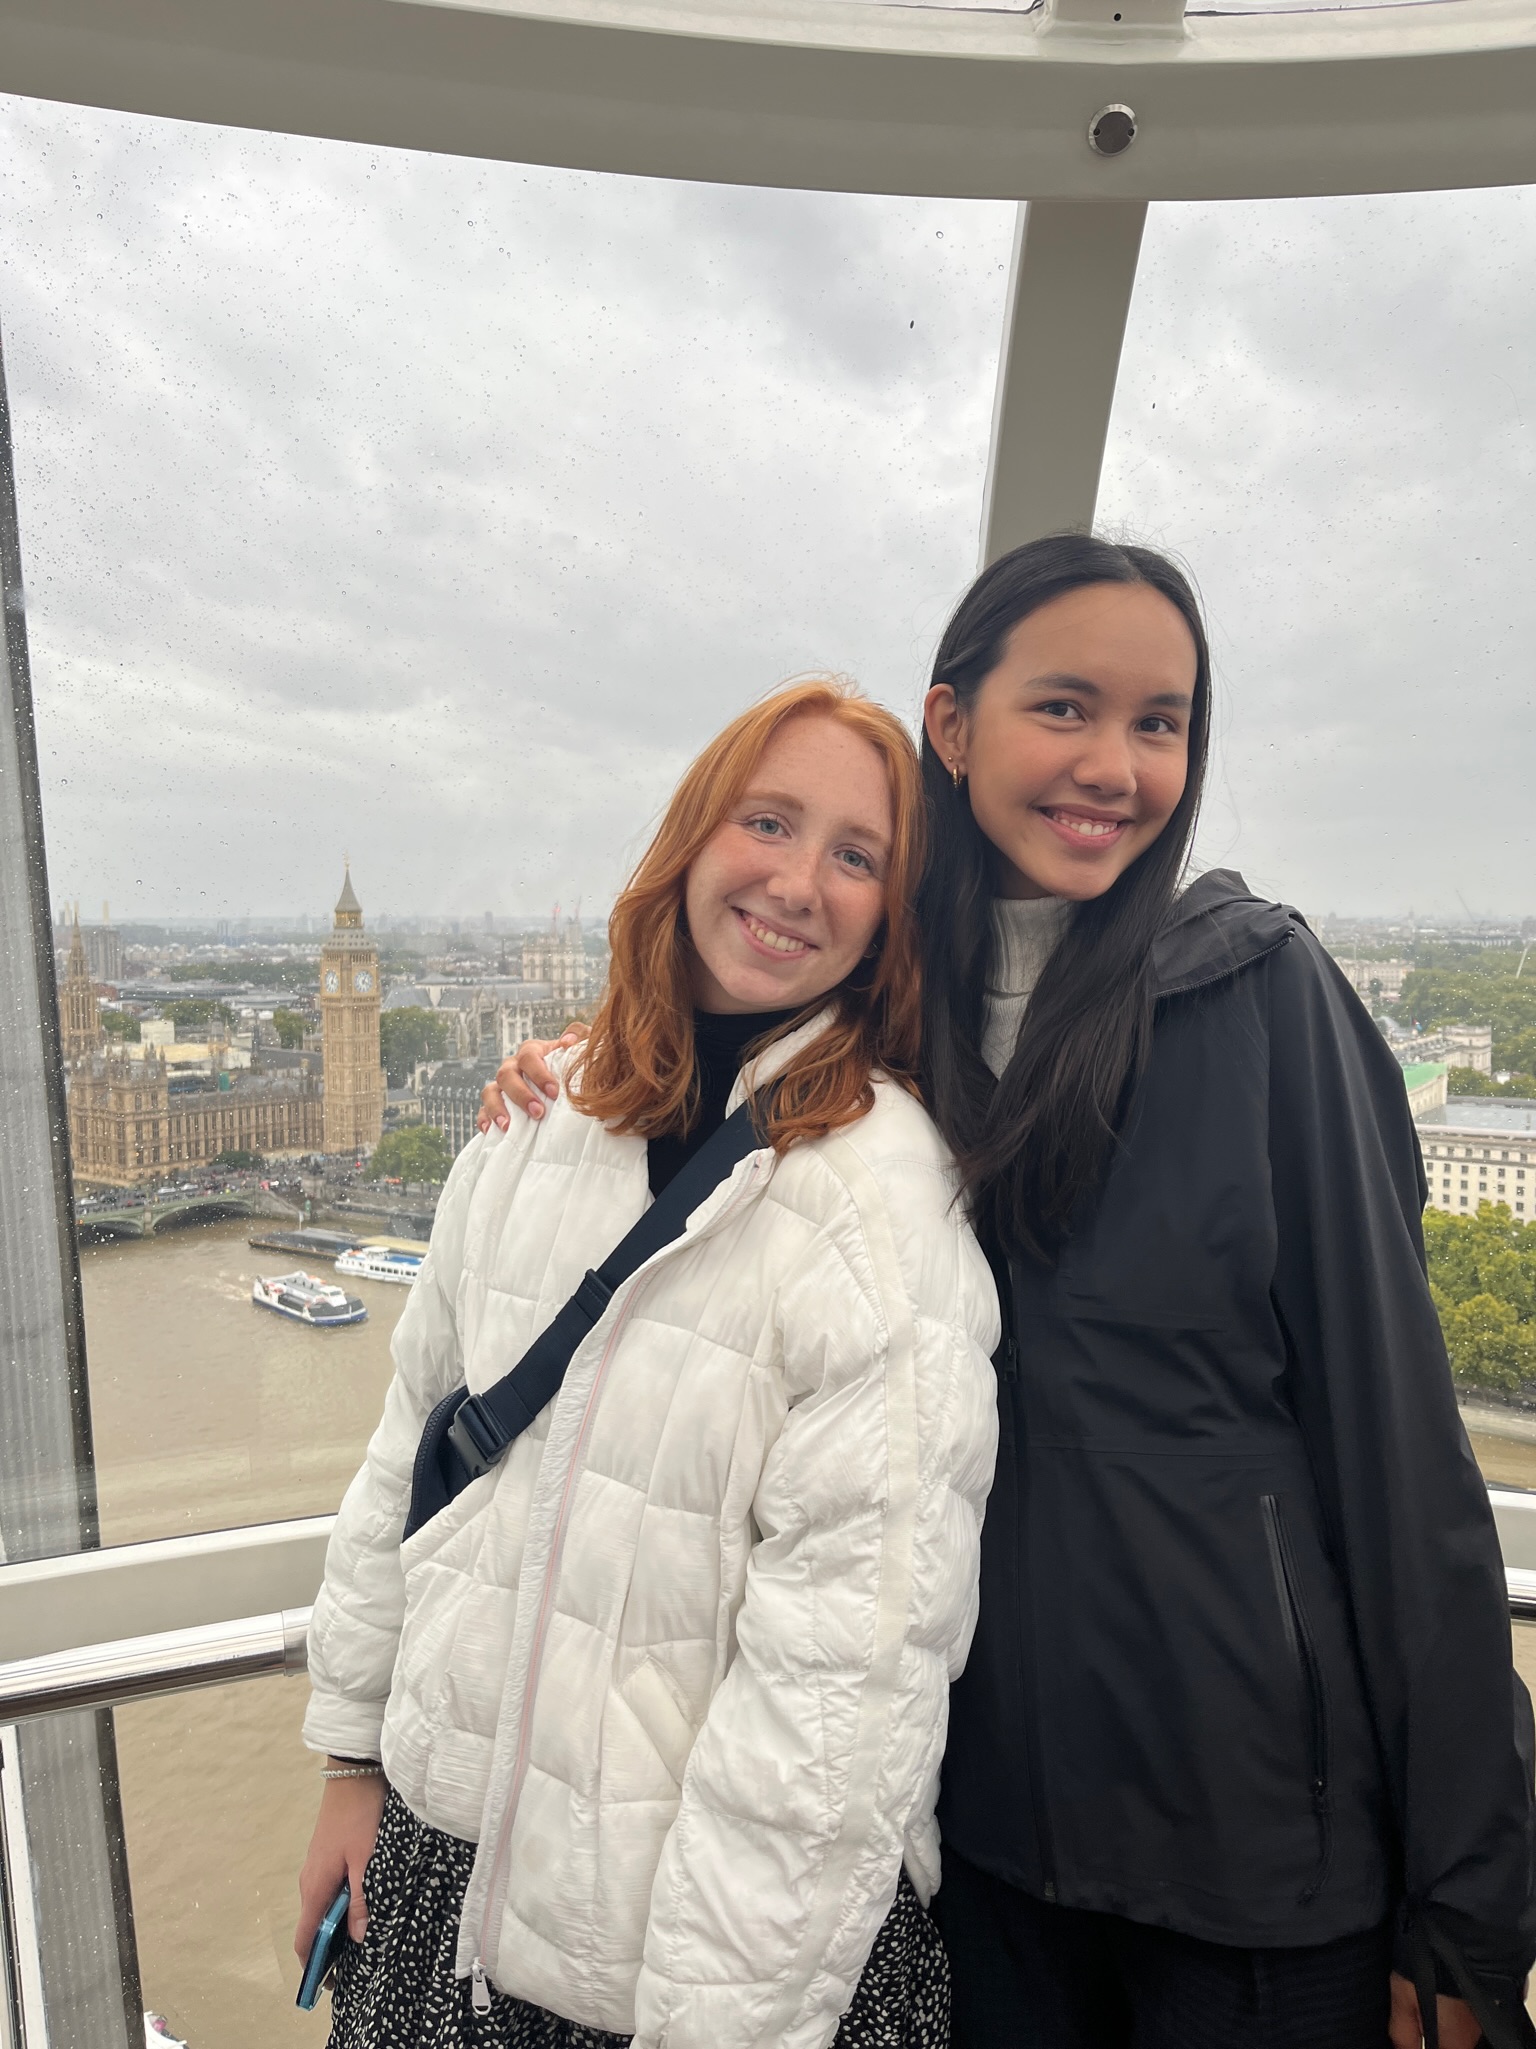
[954, 773]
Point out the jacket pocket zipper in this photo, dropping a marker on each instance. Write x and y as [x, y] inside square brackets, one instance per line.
[1309, 1673]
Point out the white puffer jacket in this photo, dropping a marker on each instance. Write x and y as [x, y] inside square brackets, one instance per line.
[680, 1665]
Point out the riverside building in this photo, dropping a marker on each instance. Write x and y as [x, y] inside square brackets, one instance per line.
[132, 1115]
[136, 1111]
[130, 1120]
[1481, 1149]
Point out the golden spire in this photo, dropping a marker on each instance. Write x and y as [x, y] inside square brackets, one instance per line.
[349, 912]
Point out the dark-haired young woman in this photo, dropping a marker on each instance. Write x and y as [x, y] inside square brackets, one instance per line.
[1240, 1730]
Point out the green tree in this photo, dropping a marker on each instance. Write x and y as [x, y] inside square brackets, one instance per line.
[238, 1157]
[416, 1152]
[1487, 990]
[290, 1026]
[1517, 1051]
[410, 1034]
[1489, 1344]
[1466, 1081]
[1482, 1272]
[117, 1024]
[246, 974]
[1489, 1253]
[197, 1013]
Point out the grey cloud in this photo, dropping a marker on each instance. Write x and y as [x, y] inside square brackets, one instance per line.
[438, 510]
[1330, 408]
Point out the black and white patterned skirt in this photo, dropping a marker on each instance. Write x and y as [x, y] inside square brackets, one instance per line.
[396, 1989]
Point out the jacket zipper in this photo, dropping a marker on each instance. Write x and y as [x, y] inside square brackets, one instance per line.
[1210, 981]
[480, 1993]
[1309, 1672]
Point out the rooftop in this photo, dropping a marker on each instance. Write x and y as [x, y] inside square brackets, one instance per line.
[1481, 1113]
[1421, 1071]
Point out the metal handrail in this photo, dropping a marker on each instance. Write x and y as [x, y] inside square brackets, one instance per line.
[138, 1667]
[214, 1654]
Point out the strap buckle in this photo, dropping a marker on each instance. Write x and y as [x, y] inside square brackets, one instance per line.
[477, 1437]
[592, 1296]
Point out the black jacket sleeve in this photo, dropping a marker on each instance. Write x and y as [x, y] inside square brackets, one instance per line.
[1407, 1510]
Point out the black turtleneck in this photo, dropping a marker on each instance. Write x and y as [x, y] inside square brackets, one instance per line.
[718, 1044]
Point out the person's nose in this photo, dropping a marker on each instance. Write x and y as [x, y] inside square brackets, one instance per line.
[1106, 764]
[796, 880]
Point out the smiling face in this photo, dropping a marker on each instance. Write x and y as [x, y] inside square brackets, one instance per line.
[1075, 748]
[787, 895]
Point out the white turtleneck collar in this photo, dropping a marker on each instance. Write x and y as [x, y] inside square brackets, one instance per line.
[1024, 933]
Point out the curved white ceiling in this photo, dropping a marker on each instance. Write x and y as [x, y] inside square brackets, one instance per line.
[834, 93]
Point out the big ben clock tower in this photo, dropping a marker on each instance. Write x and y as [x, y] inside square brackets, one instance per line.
[349, 1025]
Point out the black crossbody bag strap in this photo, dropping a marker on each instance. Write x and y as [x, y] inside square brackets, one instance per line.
[467, 1434]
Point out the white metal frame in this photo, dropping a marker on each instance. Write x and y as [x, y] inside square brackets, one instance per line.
[864, 95]
[19, 1951]
[1068, 299]
[198, 1611]
[841, 95]
[51, 1605]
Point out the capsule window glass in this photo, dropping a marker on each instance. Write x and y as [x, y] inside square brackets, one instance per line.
[429, 511]
[424, 515]
[1326, 405]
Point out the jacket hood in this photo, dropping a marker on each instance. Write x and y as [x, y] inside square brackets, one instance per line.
[1217, 927]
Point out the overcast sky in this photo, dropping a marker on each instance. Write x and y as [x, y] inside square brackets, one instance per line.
[436, 511]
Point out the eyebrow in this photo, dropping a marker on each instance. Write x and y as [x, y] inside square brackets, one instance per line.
[1170, 700]
[785, 802]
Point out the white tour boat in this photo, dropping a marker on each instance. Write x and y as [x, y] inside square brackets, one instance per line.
[306, 1300]
[380, 1263]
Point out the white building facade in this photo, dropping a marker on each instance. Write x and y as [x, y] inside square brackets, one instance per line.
[1481, 1149]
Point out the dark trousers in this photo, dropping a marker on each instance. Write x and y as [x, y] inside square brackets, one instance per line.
[1030, 1976]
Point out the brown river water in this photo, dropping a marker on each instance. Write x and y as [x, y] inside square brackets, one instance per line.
[210, 1413]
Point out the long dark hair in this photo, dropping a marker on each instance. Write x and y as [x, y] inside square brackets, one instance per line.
[1035, 1142]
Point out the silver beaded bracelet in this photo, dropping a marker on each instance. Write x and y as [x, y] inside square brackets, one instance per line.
[352, 1771]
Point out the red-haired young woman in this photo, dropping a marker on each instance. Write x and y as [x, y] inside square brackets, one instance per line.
[661, 1699]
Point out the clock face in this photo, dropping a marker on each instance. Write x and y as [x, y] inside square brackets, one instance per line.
[332, 981]
[362, 981]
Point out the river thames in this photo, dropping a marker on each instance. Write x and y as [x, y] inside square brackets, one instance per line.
[210, 1413]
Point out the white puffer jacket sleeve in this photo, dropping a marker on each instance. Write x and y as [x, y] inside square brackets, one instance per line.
[355, 1628]
[816, 1767]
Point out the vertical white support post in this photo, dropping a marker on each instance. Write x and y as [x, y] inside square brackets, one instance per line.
[1069, 295]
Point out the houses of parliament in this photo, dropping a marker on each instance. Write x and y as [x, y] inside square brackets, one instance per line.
[131, 1118]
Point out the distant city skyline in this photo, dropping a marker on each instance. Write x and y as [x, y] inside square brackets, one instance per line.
[468, 924]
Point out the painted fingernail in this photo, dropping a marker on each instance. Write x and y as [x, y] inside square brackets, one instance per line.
[535, 1109]
[551, 1089]
[501, 1123]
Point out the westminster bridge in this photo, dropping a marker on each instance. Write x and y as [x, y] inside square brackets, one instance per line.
[136, 1213]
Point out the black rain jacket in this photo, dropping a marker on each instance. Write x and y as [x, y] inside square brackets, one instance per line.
[1243, 1662]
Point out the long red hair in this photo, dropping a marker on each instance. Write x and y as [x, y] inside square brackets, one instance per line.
[637, 1069]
